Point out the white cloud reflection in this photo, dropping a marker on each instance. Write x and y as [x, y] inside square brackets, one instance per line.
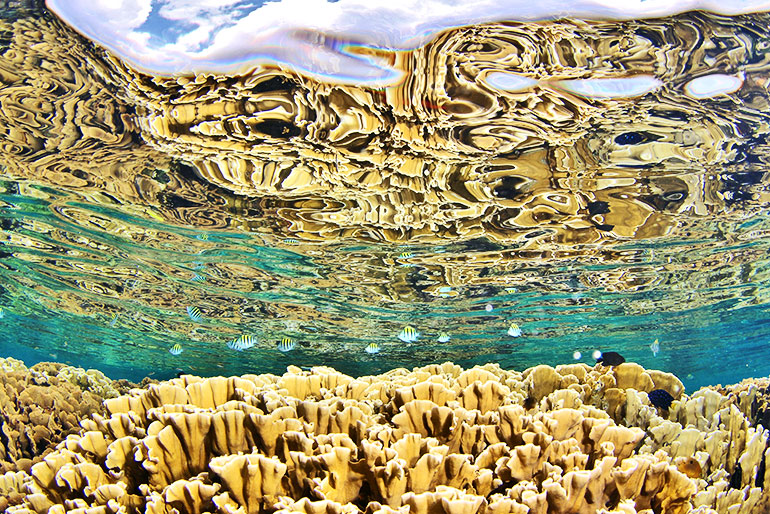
[178, 36]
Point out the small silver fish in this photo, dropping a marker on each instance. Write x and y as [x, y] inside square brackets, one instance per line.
[176, 349]
[194, 313]
[372, 348]
[514, 330]
[244, 342]
[443, 337]
[655, 348]
[408, 335]
[286, 344]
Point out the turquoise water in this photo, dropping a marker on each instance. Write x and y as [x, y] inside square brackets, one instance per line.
[108, 275]
[645, 219]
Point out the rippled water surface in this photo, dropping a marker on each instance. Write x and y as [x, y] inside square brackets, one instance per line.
[601, 184]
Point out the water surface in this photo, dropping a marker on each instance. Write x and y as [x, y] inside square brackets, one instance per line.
[602, 184]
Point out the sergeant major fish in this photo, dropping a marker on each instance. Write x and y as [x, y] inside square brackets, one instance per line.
[408, 335]
[286, 344]
[514, 330]
[244, 342]
[194, 313]
[176, 349]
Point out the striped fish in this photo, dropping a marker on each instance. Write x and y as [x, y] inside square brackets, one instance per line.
[286, 344]
[244, 342]
[514, 330]
[194, 313]
[372, 348]
[176, 349]
[408, 335]
[443, 337]
[405, 256]
[291, 241]
[198, 278]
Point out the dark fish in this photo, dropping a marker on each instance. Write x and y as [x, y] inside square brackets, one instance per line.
[611, 359]
[737, 477]
[660, 398]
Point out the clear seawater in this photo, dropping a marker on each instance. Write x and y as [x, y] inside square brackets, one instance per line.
[486, 186]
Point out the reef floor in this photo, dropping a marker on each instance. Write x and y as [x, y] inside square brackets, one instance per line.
[434, 440]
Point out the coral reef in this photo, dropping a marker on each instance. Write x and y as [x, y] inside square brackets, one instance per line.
[752, 397]
[41, 405]
[436, 440]
[91, 380]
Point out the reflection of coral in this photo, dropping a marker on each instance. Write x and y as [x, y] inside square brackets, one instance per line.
[530, 166]
[40, 407]
[442, 160]
[438, 439]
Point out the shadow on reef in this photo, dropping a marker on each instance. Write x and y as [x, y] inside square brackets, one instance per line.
[438, 439]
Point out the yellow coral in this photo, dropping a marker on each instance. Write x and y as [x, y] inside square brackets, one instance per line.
[435, 440]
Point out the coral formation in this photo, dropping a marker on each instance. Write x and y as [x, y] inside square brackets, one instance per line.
[91, 380]
[41, 405]
[436, 440]
[752, 397]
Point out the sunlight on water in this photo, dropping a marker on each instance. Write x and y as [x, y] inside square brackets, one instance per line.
[601, 184]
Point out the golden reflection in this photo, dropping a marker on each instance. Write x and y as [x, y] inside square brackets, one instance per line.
[141, 168]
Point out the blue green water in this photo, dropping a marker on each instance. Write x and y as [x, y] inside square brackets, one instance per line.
[615, 223]
[60, 295]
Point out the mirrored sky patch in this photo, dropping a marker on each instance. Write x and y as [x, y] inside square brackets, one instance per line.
[169, 37]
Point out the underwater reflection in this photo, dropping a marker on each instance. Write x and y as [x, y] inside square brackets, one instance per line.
[570, 173]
